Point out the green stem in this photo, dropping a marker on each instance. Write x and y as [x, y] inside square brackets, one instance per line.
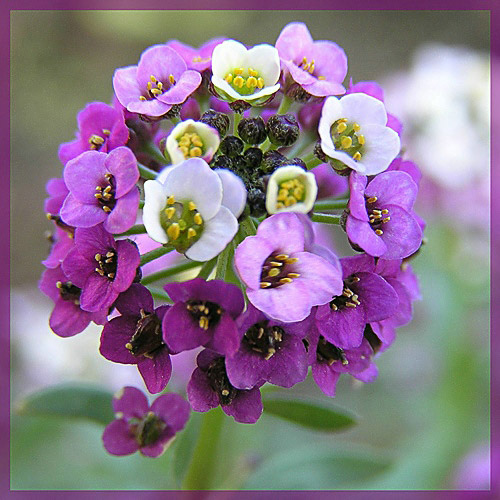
[222, 261]
[138, 229]
[300, 146]
[236, 120]
[326, 218]
[151, 149]
[147, 173]
[155, 254]
[141, 204]
[159, 294]
[207, 268]
[314, 162]
[171, 271]
[204, 462]
[175, 120]
[331, 204]
[285, 104]
[248, 226]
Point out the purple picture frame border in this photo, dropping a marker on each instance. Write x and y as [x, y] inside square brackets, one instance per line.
[5, 110]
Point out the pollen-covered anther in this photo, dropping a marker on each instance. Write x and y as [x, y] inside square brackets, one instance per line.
[275, 264]
[174, 231]
[198, 219]
[281, 256]
[341, 127]
[291, 260]
[171, 79]
[293, 275]
[346, 142]
[129, 346]
[170, 212]
[284, 281]
[356, 127]
[105, 131]
[191, 233]
[265, 284]
[106, 209]
[270, 353]
[170, 200]
[203, 323]
[372, 199]
[192, 205]
[386, 219]
[361, 139]
[273, 272]
[356, 156]
[379, 232]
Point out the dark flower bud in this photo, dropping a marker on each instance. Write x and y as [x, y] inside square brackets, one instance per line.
[252, 130]
[222, 161]
[298, 161]
[318, 152]
[239, 106]
[219, 121]
[271, 161]
[231, 145]
[256, 199]
[283, 130]
[297, 93]
[253, 157]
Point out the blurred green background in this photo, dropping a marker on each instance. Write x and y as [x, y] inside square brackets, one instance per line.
[429, 407]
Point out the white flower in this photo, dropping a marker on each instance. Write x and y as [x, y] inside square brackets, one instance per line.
[189, 139]
[249, 75]
[353, 131]
[183, 208]
[291, 189]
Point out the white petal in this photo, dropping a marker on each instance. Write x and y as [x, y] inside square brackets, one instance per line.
[162, 176]
[217, 233]
[234, 194]
[331, 112]
[363, 109]
[265, 59]
[226, 56]
[193, 180]
[154, 203]
[381, 147]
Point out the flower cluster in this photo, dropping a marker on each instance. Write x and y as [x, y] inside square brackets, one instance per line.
[239, 196]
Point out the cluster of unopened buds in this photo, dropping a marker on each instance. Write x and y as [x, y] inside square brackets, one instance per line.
[232, 160]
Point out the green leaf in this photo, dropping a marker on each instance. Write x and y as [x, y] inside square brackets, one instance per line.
[74, 401]
[318, 467]
[309, 414]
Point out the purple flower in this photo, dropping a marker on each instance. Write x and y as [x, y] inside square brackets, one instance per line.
[100, 127]
[57, 191]
[102, 188]
[318, 67]
[100, 266]
[67, 318]
[204, 314]
[270, 351]
[138, 426]
[284, 280]
[398, 164]
[158, 82]
[381, 220]
[198, 59]
[366, 297]
[135, 337]
[329, 183]
[210, 387]
[328, 362]
[62, 242]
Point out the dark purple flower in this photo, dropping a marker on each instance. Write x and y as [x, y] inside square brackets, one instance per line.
[57, 191]
[328, 362]
[329, 183]
[62, 242]
[138, 426]
[67, 318]
[102, 189]
[270, 351]
[366, 297]
[381, 220]
[100, 266]
[204, 314]
[100, 127]
[283, 279]
[158, 82]
[135, 337]
[198, 59]
[318, 67]
[209, 387]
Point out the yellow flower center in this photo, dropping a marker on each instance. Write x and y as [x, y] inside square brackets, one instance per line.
[291, 192]
[244, 80]
[191, 145]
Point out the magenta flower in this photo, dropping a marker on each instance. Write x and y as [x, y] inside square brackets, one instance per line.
[270, 351]
[57, 191]
[366, 297]
[381, 220]
[62, 242]
[102, 188]
[160, 81]
[198, 59]
[100, 266]
[210, 387]
[283, 279]
[138, 426]
[67, 317]
[100, 128]
[135, 337]
[328, 362]
[329, 183]
[318, 67]
[204, 314]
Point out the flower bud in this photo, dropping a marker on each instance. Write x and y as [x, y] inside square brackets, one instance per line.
[271, 161]
[222, 161]
[219, 121]
[252, 130]
[283, 130]
[253, 158]
[256, 199]
[231, 146]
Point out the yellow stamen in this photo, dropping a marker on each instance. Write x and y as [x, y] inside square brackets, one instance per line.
[191, 233]
[198, 219]
[229, 78]
[273, 272]
[251, 82]
[192, 205]
[361, 139]
[106, 209]
[292, 260]
[265, 284]
[379, 232]
[156, 91]
[171, 79]
[356, 156]
[174, 231]
[283, 281]
[260, 82]
[170, 212]
[341, 127]
[276, 264]
[281, 256]
[372, 199]
[252, 72]
[153, 79]
[321, 77]
[195, 152]
[293, 275]
[346, 142]
[239, 82]
[238, 71]
[356, 127]
[142, 98]
[170, 200]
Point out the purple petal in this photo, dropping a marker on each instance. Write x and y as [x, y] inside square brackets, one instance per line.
[118, 440]
[93, 240]
[246, 368]
[77, 268]
[246, 406]
[249, 258]
[357, 204]
[64, 243]
[385, 331]
[79, 214]
[156, 372]
[69, 150]
[200, 395]
[98, 293]
[67, 319]
[225, 339]
[188, 82]
[357, 263]
[134, 299]
[323, 88]
[394, 123]
[289, 364]
[125, 85]
[122, 163]
[84, 173]
[124, 214]
[378, 298]
[114, 336]
[403, 312]
[293, 41]
[127, 264]
[160, 61]
[343, 328]
[325, 378]
[131, 402]
[57, 191]
[369, 375]
[173, 410]
[329, 183]
[370, 88]
[358, 359]
[393, 188]
[149, 108]
[330, 61]
[47, 283]
[156, 449]
[180, 330]
[362, 234]
[285, 231]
